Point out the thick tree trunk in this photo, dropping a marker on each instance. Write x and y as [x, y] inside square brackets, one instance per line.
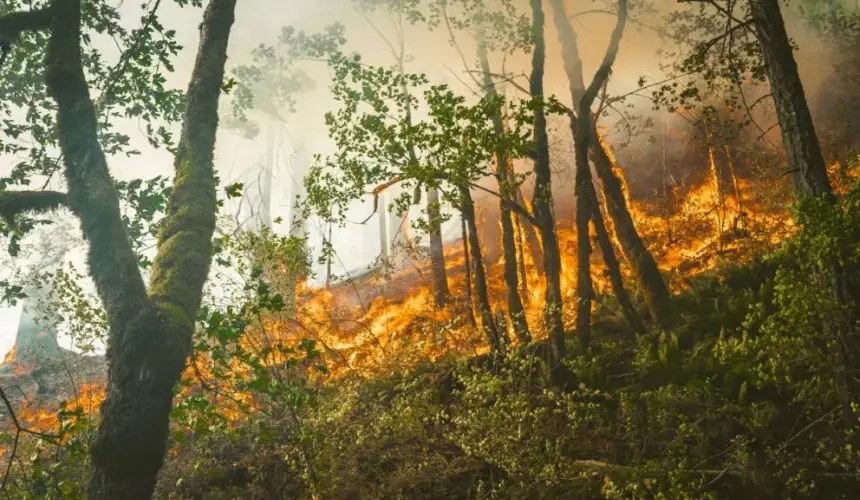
[516, 312]
[468, 267]
[543, 195]
[150, 335]
[482, 298]
[437, 254]
[635, 252]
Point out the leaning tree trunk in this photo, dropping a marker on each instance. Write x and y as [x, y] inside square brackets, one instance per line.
[805, 160]
[150, 333]
[437, 253]
[656, 292]
[481, 296]
[543, 195]
[516, 311]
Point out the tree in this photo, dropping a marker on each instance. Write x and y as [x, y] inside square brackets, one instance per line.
[508, 186]
[150, 327]
[379, 144]
[641, 260]
[542, 201]
[400, 9]
[586, 199]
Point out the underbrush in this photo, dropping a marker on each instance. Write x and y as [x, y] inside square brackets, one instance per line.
[748, 397]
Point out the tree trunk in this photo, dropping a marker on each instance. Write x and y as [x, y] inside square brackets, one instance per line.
[519, 242]
[656, 292]
[805, 160]
[736, 189]
[613, 267]
[516, 312]
[480, 278]
[468, 268]
[543, 196]
[437, 254]
[584, 289]
[150, 335]
[528, 231]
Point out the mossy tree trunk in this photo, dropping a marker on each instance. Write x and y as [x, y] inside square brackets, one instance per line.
[150, 330]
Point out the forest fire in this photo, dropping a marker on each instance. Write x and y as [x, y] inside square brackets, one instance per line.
[707, 226]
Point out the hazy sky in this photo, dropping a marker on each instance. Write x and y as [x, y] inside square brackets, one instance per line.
[260, 21]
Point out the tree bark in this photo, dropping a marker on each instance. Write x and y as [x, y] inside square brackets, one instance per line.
[150, 333]
[481, 296]
[437, 251]
[656, 292]
[516, 312]
[543, 195]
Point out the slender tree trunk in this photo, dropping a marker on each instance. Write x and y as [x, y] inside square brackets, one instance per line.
[584, 288]
[528, 231]
[468, 267]
[522, 274]
[656, 292]
[543, 195]
[482, 298]
[150, 333]
[437, 254]
[739, 217]
[585, 196]
[613, 267]
[718, 187]
[506, 189]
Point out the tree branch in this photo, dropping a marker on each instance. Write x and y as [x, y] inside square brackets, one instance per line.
[14, 24]
[13, 203]
[181, 266]
[605, 69]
